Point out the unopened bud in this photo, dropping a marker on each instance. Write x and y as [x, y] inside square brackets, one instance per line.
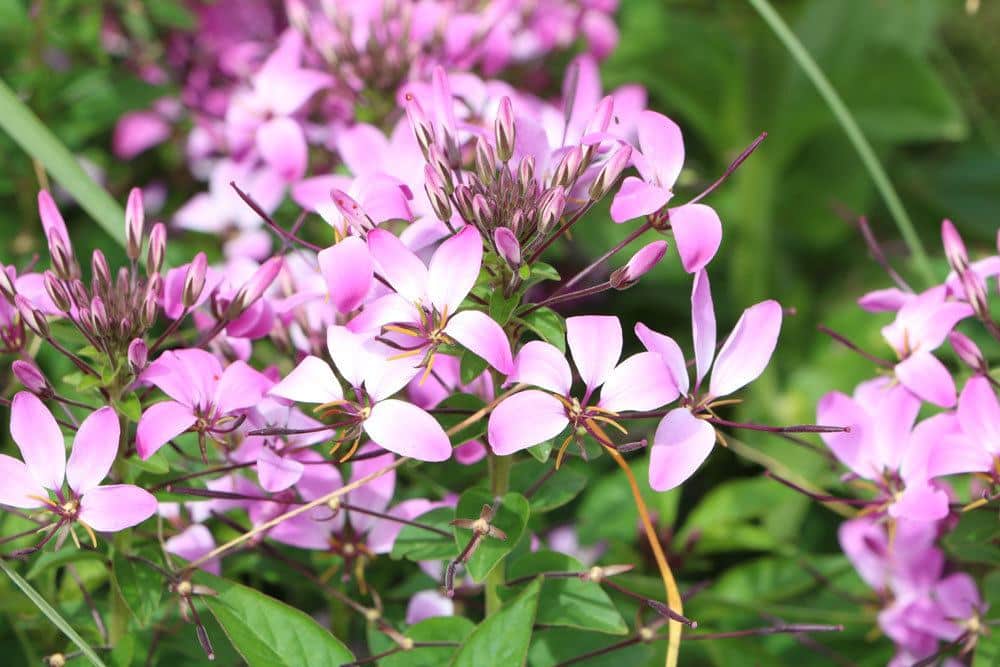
[258, 283]
[57, 291]
[52, 220]
[436, 194]
[31, 317]
[98, 314]
[526, 172]
[481, 211]
[135, 220]
[138, 355]
[55, 660]
[194, 280]
[463, 201]
[157, 249]
[968, 351]
[422, 129]
[954, 247]
[609, 173]
[507, 246]
[7, 282]
[31, 377]
[552, 209]
[486, 161]
[601, 119]
[79, 293]
[975, 292]
[504, 128]
[437, 162]
[151, 302]
[352, 211]
[100, 271]
[640, 264]
[568, 169]
[62, 257]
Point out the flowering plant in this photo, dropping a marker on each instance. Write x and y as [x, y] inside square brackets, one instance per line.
[370, 381]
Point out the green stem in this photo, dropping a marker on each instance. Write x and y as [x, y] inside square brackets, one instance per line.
[499, 470]
[852, 130]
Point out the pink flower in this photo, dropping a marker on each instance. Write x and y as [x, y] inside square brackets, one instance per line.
[428, 604]
[192, 543]
[921, 325]
[205, 397]
[395, 425]
[683, 441]
[425, 313]
[696, 227]
[107, 508]
[527, 418]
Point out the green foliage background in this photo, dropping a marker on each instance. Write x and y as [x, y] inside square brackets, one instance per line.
[921, 76]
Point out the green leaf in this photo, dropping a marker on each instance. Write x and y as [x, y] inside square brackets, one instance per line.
[502, 307]
[51, 614]
[269, 633]
[37, 141]
[467, 403]
[541, 271]
[156, 464]
[417, 544]
[542, 451]
[549, 325]
[502, 639]
[976, 538]
[562, 487]
[438, 629]
[51, 559]
[554, 646]
[472, 366]
[140, 586]
[571, 603]
[511, 518]
[130, 407]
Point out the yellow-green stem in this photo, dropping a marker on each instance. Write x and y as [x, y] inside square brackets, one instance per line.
[499, 470]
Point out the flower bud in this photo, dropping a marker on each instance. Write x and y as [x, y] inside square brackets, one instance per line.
[481, 211]
[601, 119]
[100, 271]
[194, 280]
[422, 129]
[507, 246]
[138, 355]
[57, 291]
[32, 318]
[439, 165]
[968, 351]
[157, 248]
[526, 172]
[551, 210]
[463, 201]
[258, 283]
[504, 129]
[79, 293]
[568, 169]
[352, 211]
[975, 292]
[31, 377]
[98, 314]
[135, 219]
[52, 220]
[609, 173]
[62, 257]
[954, 247]
[640, 264]
[7, 282]
[436, 194]
[486, 161]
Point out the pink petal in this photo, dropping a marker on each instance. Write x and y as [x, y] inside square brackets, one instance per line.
[702, 324]
[407, 430]
[138, 131]
[282, 144]
[851, 448]
[525, 419]
[363, 148]
[312, 381]
[454, 268]
[52, 220]
[920, 502]
[884, 300]
[159, 424]
[596, 344]
[747, 351]
[698, 233]
[641, 382]
[192, 544]
[924, 375]
[636, 198]
[979, 413]
[470, 452]
[293, 88]
[348, 270]
[114, 507]
[37, 435]
[277, 473]
[543, 365]
[478, 332]
[94, 450]
[681, 444]
[895, 413]
[662, 145]
[428, 604]
[383, 533]
[376, 494]
[865, 544]
[670, 354]
[19, 485]
[394, 261]
[188, 376]
[958, 596]
[927, 436]
[240, 387]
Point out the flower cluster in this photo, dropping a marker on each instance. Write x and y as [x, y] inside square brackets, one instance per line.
[904, 461]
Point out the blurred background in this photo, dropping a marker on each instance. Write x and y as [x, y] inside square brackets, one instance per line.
[922, 77]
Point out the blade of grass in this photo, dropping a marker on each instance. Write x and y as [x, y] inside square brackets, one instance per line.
[27, 130]
[51, 613]
[850, 126]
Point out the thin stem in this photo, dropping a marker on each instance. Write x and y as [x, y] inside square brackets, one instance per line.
[579, 294]
[793, 628]
[390, 517]
[843, 340]
[559, 232]
[281, 231]
[674, 600]
[799, 428]
[639, 231]
[499, 472]
[733, 166]
[852, 130]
